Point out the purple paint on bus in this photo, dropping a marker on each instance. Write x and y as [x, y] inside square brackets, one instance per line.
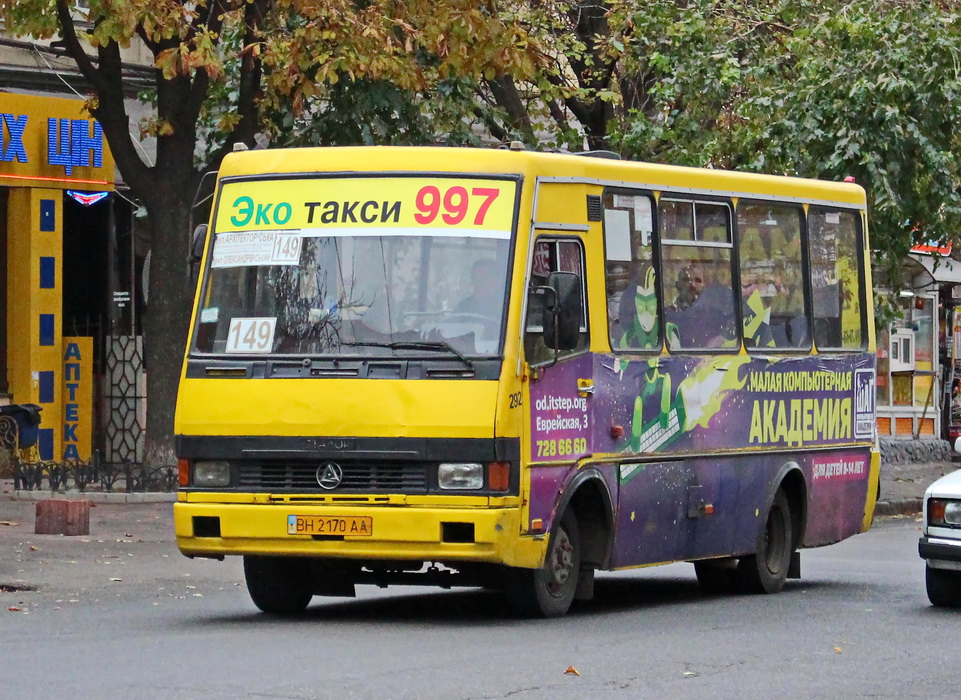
[695, 445]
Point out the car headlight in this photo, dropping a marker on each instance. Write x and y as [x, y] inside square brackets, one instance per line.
[943, 512]
[460, 475]
[211, 474]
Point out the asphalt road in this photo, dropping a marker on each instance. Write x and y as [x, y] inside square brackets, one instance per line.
[128, 617]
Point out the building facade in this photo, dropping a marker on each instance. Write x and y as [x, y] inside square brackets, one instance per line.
[54, 158]
[919, 374]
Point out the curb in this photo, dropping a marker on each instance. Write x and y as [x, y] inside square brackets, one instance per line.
[906, 506]
[94, 496]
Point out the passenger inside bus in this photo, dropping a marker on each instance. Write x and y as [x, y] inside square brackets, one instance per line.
[690, 284]
[703, 310]
[709, 322]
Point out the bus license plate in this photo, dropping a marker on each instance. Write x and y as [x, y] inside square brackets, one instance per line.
[347, 525]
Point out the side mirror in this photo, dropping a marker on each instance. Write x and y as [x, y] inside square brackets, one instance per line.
[197, 245]
[196, 253]
[562, 311]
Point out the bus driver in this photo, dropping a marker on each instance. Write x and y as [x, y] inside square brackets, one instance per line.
[487, 297]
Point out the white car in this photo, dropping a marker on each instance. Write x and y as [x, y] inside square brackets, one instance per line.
[940, 543]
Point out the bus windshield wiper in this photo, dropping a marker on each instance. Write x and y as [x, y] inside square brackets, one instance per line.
[415, 345]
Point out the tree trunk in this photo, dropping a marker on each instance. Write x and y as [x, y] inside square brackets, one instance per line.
[166, 320]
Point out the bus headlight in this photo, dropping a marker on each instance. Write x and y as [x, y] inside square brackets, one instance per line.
[211, 474]
[944, 513]
[460, 475]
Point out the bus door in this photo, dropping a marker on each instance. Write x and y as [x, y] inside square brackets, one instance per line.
[561, 386]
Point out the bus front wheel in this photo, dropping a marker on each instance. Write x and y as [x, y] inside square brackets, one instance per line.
[549, 591]
[278, 585]
[766, 570]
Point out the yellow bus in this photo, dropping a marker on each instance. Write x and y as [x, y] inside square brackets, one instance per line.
[511, 369]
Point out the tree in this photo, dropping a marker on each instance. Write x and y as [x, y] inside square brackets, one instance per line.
[250, 55]
[874, 92]
[815, 88]
[864, 88]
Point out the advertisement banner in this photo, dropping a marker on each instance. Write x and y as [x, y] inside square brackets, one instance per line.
[435, 206]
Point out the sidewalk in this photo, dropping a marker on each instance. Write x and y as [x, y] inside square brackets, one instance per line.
[115, 498]
[130, 555]
[903, 485]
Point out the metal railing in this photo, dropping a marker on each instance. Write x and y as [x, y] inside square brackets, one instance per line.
[30, 473]
[95, 475]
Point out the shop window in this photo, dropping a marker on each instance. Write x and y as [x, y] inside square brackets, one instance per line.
[902, 390]
[922, 315]
[902, 350]
[884, 368]
[922, 318]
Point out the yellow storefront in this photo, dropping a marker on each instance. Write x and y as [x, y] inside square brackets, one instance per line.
[49, 145]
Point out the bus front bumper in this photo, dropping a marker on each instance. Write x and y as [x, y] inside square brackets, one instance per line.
[412, 533]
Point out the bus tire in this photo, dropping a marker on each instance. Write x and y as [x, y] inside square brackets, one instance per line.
[278, 585]
[943, 587]
[549, 591]
[766, 570]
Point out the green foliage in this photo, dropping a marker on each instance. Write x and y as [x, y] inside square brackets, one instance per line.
[343, 73]
[356, 112]
[862, 88]
[874, 92]
[37, 18]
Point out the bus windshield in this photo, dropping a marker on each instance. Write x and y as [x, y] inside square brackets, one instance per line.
[377, 286]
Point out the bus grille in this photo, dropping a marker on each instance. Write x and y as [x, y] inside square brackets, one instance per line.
[359, 477]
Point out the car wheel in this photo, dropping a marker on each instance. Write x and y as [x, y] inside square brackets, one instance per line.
[549, 591]
[944, 587]
[766, 570]
[278, 585]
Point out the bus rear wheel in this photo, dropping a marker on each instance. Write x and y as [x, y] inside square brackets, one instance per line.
[549, 591]
[278, 585]
[767, 569]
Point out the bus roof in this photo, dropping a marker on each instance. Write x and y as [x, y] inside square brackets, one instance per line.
[555, 166]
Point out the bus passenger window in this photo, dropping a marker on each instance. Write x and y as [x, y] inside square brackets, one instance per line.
[772, 288]
[837, 285]
[699, 309]
[552, 256]
[630, 274]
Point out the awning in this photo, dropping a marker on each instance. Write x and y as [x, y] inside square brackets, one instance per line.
[942, 269]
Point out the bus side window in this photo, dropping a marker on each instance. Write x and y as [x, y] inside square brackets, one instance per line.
[772, 287]
[699, 310]
[552, 255]
[837, 285]
[630, 275]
